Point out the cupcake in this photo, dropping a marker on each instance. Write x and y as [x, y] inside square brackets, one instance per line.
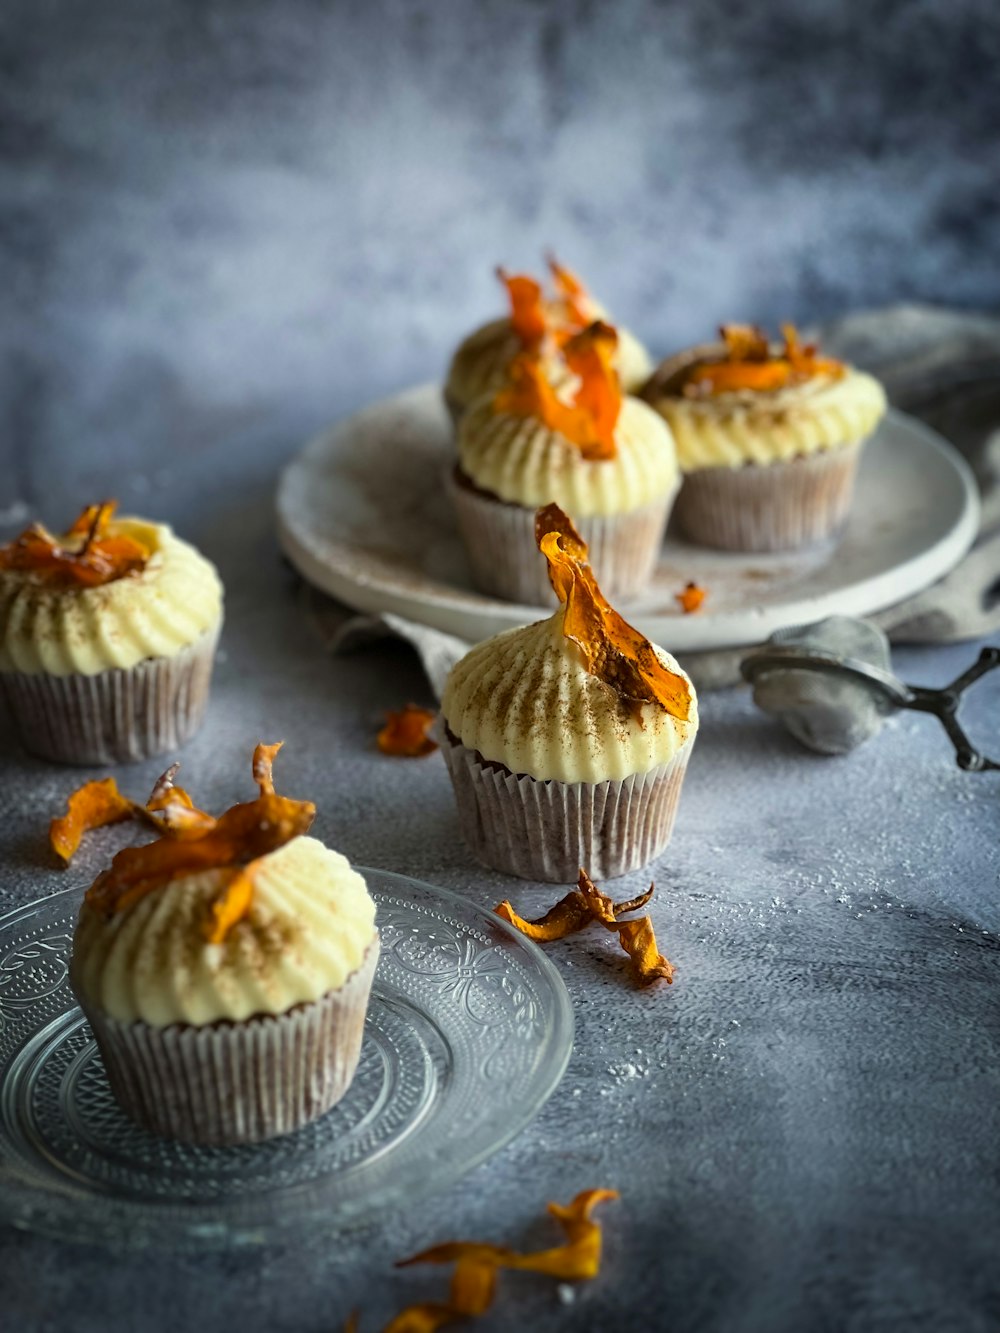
[567, 740]
[107, 638]
[768, 438]
[537, 323]
[225, 968]
[607, 459]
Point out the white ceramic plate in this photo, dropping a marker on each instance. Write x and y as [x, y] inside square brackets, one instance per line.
[362, 514]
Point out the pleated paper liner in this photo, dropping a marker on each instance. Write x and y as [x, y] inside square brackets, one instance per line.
[115, 716]
[506, 562]
[547, 830]
[772, 507]
[231, 1083]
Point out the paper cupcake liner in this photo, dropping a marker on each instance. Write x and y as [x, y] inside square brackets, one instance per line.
[773, 507]
[230, 1083]
[506, 562]
[116, 716]
[548, 830]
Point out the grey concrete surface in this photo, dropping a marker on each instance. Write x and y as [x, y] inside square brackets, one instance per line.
[223, 225]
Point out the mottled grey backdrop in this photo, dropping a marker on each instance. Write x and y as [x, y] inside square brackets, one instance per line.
[225, 222]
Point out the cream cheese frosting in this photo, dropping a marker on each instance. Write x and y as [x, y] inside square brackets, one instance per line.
[523, 461]
[159, 611]
[309, 926]
[482, 362]
[525, 699]
[731, 429]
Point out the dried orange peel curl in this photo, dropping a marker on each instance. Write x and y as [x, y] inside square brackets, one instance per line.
[749, 364]
[589, 416]
[88, 556]
[612, 650]
[189, 841]
[527, 307]
[473, 1281]
[580, 309]
[406, 733]
[585, 905]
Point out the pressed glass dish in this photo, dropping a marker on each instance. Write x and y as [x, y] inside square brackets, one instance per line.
[468, 1033]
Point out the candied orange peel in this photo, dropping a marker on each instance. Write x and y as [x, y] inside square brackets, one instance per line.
[572, 294]
[612, 650]
[589, 415]
[527, 306]
[190, 840]
[691, 598]
[406, 733]
[587, 905]
[474, 1278]
[750, 364]
[88, 556]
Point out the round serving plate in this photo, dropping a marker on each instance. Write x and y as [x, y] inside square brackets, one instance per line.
[363, 515]
[468, 1033]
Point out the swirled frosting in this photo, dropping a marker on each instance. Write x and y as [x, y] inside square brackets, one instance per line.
[482, 361]
[749, 426]
[308, 928]
[525, 699]
[522, 461]
[165, 607]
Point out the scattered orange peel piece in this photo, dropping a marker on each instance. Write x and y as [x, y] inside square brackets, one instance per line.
[190, 840]
[587, 904]
[691, 599]
[748, 363]
[86, 557]
[612, 650]
[473, 1281]
[406, 733]
[91, 806]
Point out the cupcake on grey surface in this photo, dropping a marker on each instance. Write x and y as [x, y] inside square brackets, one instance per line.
[225, 968]
[538, 323]
[606, 459]
[768, 438]
[567, 740]
[107, 638]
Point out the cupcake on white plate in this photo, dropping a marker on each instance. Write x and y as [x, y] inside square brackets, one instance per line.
[538, 323]
[567, 740]
[225, 967]
[768, 438]
[607, 459]
[107, 638]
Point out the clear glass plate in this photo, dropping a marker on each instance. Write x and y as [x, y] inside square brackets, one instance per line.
[468, 1033]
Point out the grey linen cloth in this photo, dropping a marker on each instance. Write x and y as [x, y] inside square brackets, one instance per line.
[942, 366]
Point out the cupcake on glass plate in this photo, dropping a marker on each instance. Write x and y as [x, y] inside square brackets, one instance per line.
[538, 323]
[567, 740]
[224, 967]
[605, 458]
[768, 438]
[107, 638]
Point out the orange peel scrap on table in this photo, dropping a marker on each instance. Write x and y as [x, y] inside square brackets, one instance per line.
[612, 650]
[691, 598]
[474, 1277]
[189, 840]
[586, 905]
[750, 363]
[87, 557]
[588, 416]
[406, 733]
